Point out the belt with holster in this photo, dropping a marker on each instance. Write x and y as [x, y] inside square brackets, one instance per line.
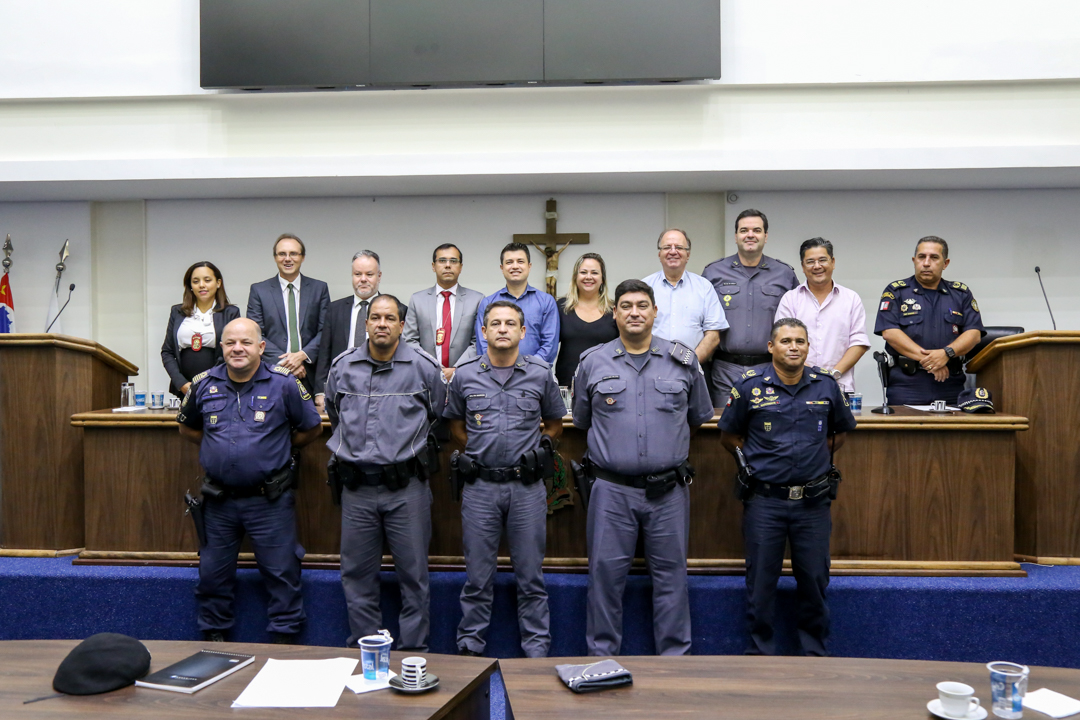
[654, 484]
[742, 359]
[826, 484]
[272, 488]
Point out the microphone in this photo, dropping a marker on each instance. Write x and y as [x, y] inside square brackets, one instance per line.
[71, 289]
[884, 362]
[1052, 321]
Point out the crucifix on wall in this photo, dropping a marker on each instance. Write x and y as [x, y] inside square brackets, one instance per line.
[549, 242]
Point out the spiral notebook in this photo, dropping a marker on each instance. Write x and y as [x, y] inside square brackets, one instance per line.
[194, 673]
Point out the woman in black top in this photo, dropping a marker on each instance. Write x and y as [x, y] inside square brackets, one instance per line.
[586, 318]
[192, 339]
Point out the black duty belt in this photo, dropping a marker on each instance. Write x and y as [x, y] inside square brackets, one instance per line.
[743, 359]
[374, 475]
[814, 488]
[241, 491]
[634, 481]
[500, 474]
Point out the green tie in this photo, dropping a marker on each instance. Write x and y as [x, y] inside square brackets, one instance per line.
[294, 333]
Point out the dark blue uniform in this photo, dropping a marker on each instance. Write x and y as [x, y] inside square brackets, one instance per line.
[933, 319]
[246, 438]
[639, 419]
[785, 431]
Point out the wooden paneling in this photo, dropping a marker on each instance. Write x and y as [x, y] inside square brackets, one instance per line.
[1038, 375]
[939, 493]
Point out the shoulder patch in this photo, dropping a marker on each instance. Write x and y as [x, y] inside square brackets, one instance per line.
[304, 395]
[898, 284]
[887, 296]
[682, 353]
[280, 370]
[974, 305]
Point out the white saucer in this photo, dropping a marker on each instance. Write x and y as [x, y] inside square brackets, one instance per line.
[934, 706]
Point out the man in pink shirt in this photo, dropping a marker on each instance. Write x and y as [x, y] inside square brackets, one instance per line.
[833, 314]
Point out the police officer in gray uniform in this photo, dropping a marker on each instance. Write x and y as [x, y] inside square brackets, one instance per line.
[749, 285]
[383, 397]
[495, 406]
[640, 398]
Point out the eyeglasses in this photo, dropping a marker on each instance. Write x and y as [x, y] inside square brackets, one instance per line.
[447, 261]
[679, 248]
[813, 262]
[292, 255]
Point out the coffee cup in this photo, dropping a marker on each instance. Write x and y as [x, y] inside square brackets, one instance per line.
[957, 699]
[413, 672]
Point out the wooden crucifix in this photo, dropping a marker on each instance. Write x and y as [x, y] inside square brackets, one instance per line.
[548, 243]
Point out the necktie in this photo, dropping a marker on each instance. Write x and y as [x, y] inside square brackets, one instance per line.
[360, 334]
[447, 326]
[294, 331]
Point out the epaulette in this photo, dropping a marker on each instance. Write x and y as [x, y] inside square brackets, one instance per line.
[747, 376]
[195, 380]
[463, 363]
[590, 351]
[538, 361]
[959, 286]
[682, 353]
[898, 284]
[426, 355]
[341, 355]
[280, 370]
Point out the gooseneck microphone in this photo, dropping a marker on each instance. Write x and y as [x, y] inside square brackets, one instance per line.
[1052, 321]
[884, 362]
[71, 289]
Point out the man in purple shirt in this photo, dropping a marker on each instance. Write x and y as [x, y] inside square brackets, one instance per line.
[833, 314]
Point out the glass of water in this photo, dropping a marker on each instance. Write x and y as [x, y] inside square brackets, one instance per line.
[1008, 685]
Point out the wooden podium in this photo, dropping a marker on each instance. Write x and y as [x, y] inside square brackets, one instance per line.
[1037, 374]
[44, 380]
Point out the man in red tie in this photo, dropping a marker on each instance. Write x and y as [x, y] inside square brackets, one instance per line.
[441, 318]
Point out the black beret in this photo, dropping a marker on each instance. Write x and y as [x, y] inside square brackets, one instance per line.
[100, 663]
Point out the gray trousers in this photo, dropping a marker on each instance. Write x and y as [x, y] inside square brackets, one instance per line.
[616, 513]
[486, 509]
[404, 516]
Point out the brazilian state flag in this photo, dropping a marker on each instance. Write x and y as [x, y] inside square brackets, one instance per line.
[7, 306]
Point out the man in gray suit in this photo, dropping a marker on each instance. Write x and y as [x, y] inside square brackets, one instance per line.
[441, 318]
[290, 309]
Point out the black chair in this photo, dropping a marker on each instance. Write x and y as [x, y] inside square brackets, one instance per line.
[993, 332]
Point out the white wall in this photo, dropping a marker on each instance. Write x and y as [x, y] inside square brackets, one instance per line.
[113, 48]
[237, 236]
[996, 238]
[38, 231]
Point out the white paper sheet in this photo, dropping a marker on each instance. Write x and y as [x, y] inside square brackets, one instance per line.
[929, 408]
[297, 683]
[1051, 703]
[358, 684]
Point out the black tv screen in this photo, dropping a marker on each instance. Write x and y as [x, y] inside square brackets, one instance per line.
[593, 40]
[284, 43]
[459, 41]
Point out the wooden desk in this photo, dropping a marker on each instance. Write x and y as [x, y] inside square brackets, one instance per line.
[27, 668]
[757, 687]
[923, 494]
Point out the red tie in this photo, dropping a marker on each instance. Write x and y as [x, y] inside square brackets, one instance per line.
[447, 326]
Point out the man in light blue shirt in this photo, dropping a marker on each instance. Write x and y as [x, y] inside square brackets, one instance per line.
[688, 310]
[541, 313]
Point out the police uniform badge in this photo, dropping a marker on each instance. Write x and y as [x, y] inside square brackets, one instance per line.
[478, 417]
[768, 426]
[213, 419]
[440, 335]
[260, 416]
[974, 305]
[610, 401]
[304, 395]
[212, 389]
[755, 392]
[769, 391]
[196, 342]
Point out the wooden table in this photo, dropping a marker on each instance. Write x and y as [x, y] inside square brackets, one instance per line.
[923, 494]
[27, 668]
[757, 687]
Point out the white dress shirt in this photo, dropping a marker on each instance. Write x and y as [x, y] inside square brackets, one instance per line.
[198, 322]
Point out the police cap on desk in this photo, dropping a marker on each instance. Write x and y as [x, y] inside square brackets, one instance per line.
[975, 400]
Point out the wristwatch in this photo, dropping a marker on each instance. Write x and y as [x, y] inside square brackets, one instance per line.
[950, 352]
[835, 373]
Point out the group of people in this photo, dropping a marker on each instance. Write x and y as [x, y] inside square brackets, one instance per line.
[393, 379]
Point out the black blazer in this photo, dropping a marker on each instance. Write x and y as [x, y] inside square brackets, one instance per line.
[334, 339]
[170, 350]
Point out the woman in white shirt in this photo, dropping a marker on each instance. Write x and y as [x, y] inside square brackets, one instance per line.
[191, 341]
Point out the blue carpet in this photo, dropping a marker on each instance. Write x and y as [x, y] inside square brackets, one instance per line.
[1030, 620]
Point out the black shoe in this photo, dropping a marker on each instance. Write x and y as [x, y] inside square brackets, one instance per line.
[466, 652]
[284, 638]
[213, 636]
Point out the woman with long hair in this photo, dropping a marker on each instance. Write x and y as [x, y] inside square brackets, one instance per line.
[586, 315]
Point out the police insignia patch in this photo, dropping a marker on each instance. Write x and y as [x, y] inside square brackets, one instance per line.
[768, 426]
[735, 393]
[903, 308]
[610, 401]
[729, 401]
[769, 391]
[478, 417]
[213, 419]
[981, 393]
[213, 389]
[884, 305]
[304, 395]
[260, 416]
[755, 392]
[888, 295]
[974, 305]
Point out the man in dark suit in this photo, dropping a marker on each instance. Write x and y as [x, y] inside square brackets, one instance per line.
[290, 309]
[441, 318]
[346, 322]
